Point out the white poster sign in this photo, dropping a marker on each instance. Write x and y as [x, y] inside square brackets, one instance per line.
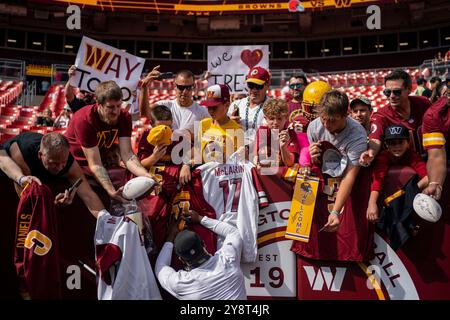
[230, 64]
[97, 62]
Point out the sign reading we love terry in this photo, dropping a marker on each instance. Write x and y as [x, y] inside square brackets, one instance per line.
[97, 62]
[230, 64]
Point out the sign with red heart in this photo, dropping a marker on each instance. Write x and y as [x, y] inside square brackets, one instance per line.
[251, 58]
[230, 65]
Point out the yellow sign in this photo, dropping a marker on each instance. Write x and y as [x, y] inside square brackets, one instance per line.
[190, 9]
[302, 208]
[38, 71]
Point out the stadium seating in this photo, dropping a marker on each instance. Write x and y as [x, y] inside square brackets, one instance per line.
[15, 118]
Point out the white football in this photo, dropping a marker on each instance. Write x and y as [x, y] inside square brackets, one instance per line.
[427, 208]
[138, 188]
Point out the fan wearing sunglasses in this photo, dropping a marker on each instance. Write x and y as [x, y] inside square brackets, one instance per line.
[185, 111]
[436, 134]
[297, 85]
[402, 109]
[248, 111]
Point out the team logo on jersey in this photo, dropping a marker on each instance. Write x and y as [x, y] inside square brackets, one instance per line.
[373, 128]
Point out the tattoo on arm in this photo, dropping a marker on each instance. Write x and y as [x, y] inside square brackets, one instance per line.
[103, 178]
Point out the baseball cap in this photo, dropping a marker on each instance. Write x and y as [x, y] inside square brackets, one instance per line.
[396, 132]
[362, 99]
[188, 245]
[215, 95]
[333, 162]
[258, 75]
[160, 135]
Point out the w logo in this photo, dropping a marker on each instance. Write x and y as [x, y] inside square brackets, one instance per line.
[395, 130]
[342, 3]
[325, 275]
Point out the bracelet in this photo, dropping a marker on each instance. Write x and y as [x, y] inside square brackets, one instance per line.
[337, 213]
[19, 181]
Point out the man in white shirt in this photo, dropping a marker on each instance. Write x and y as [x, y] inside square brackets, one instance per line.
[248, 111]
[185, 111]
[217, 277]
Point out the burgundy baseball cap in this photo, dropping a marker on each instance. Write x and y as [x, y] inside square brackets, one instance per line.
[215, 95]
[258, 75]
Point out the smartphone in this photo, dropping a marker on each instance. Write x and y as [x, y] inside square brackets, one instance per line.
[76, 184]
[165, 75]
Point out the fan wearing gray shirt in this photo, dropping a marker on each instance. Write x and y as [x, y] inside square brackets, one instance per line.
[348, 136]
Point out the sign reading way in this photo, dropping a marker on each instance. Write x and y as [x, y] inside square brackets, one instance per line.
[97, 62]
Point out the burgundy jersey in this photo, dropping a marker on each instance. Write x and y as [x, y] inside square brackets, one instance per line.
[436, 126]
[387, 116]
[37, 244]
[174, 199]
[145, 149]
[87, 130]
[353, 241]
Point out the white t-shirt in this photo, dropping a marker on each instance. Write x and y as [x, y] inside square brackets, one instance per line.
[124, 267]
[236, 194]
[248, 123]
[219, 278]
[185, 117]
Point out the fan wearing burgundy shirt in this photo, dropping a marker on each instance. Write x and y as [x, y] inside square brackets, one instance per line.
[398, 152]
[403, 109]
[436, 134]
[95, 128]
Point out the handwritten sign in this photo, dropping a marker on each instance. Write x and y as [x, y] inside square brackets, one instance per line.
[230, 64]
[97, 62]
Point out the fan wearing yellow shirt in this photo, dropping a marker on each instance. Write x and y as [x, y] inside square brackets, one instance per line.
[219, 135]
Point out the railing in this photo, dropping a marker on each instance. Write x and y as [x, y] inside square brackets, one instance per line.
[28, 94]
[431, 68]
[12, 69]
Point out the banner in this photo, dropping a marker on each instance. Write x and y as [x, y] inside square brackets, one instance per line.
[97, 62]
[302, 209]
[230, 64]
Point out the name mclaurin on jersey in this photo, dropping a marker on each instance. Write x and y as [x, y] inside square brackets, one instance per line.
[227, 170]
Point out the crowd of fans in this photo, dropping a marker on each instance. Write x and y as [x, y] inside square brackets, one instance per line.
[411, 131]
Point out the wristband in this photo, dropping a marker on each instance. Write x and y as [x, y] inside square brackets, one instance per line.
[337, 213]
[19, 181]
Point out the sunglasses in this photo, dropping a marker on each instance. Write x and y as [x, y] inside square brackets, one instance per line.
[396, 92]
[296, 85]
[252, 85]
[182, 88]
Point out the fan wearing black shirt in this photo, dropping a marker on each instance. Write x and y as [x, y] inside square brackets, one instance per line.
[44, 158]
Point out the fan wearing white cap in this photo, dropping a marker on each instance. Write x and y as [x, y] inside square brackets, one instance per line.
[219, 135]
[336, 143]
[398, 152]
[360, 110]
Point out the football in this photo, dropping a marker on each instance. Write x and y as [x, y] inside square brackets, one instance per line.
[138, 188]
[427, 208]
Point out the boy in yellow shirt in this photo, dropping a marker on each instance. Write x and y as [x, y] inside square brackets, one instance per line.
[219, 135]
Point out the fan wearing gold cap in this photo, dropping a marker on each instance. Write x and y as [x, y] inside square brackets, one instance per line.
[218, 134]
[155, 144]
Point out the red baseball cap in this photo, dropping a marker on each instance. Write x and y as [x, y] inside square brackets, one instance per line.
[215, 95]
[258, 75]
